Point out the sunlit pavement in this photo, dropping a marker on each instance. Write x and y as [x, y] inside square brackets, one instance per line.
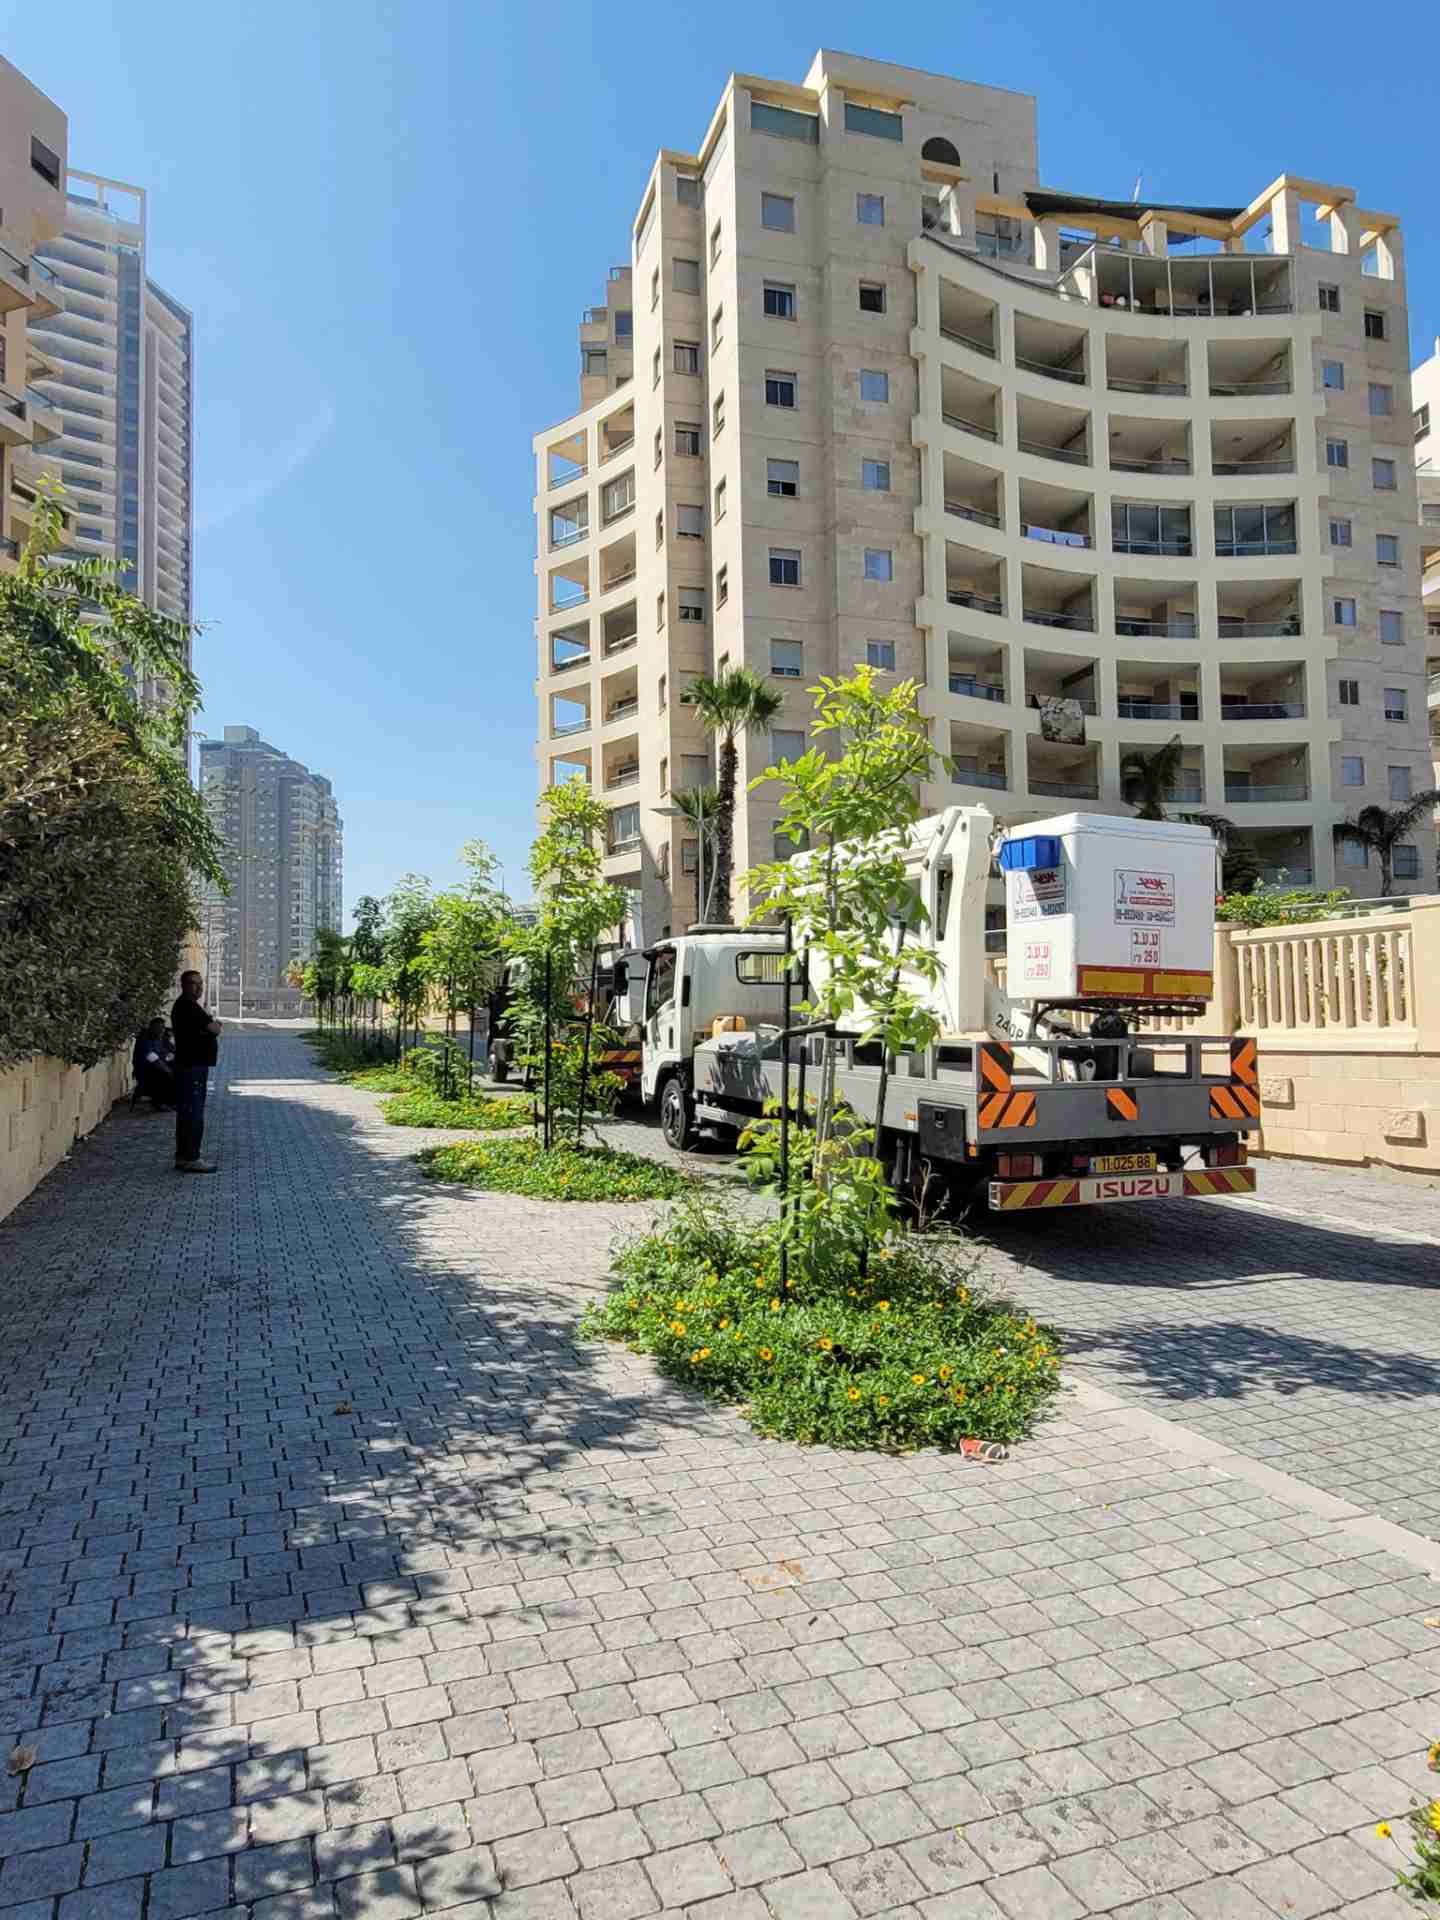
[339, 1579]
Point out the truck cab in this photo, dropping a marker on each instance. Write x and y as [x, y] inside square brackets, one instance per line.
[712, 980]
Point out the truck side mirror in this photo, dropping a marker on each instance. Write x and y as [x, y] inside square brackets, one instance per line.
[621, 977]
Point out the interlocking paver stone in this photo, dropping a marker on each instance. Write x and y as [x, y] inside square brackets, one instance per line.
[500, 1639]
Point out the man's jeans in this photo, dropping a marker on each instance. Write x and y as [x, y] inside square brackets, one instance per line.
[190, 1088]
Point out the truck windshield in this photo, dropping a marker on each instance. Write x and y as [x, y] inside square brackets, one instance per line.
[660, 987]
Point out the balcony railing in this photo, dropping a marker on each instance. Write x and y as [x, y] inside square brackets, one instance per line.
[626, 776]
[978, 602]
[1130, 628]
[1085, 701]
[617, 579]
[1179, 549]
[973, 689]
[1267, 710]
[996, 780]
[1044, 617]
[616, 446]
[623, 644]
[565, 479]
[1148, 386]
[1075, 375]
[564, 538]
[1243, 791]
[1056, 536]
[622, 710]
[1287, 876]
[1241, 467]
[1074, 456]
[1129, 709]
[1066, 789]
[561, 728]
[9, 404]
[12, 263]
[971, 426]
[1252, 549]
[973, 513]
[572, 601]
[1287, 628]
[1246, 389]
[1120, 464]
[575, 660]
[967, 340]
[623, 843]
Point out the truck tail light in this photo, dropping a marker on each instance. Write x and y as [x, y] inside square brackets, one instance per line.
[1019, 1166]
[1226, 1156]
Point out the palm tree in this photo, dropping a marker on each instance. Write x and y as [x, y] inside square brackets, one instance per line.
[1380, 830]
[700, 806]
[1147, 781]
[735, 701]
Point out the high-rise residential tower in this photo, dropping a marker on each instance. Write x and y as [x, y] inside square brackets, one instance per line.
[1096, 473]
[1425, 422]
[121, 379]
[282, 835]
[32, 209]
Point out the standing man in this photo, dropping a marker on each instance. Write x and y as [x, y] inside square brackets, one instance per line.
[195, 1054]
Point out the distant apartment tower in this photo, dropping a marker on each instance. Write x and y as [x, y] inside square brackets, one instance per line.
[120, 377]
[282, 836]
[1425, 426]
[867, 392]
[32, 208]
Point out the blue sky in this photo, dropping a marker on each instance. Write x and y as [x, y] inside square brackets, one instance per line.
[387, 220]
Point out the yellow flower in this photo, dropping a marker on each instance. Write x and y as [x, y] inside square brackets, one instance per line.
[766, 1353]
[917, 1379]
[884, 1400]
[677, 1326]
[694, 1357]
[883, 1305]
[825, 1346]
[760, 1280]
[945, 1372]
[704, 1353]
[1382, 1830]
[1435, 1815]
[964, 1293]
[775, 1304]
[854, 1394]
[957, 1394]
[723, 1325]
[1433, 1756]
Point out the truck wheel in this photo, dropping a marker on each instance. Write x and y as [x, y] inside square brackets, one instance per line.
[677, 1118]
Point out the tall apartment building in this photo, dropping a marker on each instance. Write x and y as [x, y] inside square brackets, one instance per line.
[1425, 401]
[33, 138]
[868, 392]
[283, 854]
[120, 378]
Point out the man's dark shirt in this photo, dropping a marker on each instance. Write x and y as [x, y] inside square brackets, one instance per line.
[195, 1045]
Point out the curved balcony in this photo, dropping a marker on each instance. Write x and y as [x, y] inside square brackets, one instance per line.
[976, 602]
[1074, 456]
[970, 340]
[971, 426]
[977, 514]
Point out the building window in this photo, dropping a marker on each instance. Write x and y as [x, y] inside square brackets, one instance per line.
[879, 563]
[659, 611]
[784, 123]
[1420, 421]
[1374, 324]
[689, 856]
[1387, 550]
[882, 126]
[870, 209]
[881, 654]
[44, 162]
[1382, 475]
[786, 659]
[1397, 704]
[1332, 374]
[1349, 693]
[618, 496]
[1352, 770]
[597, 359]
[786, 743]
[660, 528]
[874, 385]
[1340, 533]
[720, 500]
[687, 438]
[662, 690]
[624, 324]
[1405, 861]
[717, 327]
[1400, 783]
[722, 586]
[784, 567]
[1380, 399]
[690, 605]
[1392, 627]
[779, 389]
[624, 827]
[717, 414]
[875, 476]
[655, 289]
[687, 356]
[872, 297]
[777, 212]
[689, 521]
[1337, 453]
[1342, 612]
[1353, 854]
[655, 368]
[782, 478]
[685, 275]
[687, 189]
[779, 299]
[1329, 298]
[715, 243]
[1242, 531]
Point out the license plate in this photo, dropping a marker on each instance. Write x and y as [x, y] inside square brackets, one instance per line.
[1122, 1163]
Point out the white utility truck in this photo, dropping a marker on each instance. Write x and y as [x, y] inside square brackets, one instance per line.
[1043, 1093]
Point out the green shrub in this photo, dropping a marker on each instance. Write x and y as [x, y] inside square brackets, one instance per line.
[913, 1354]
[421, 1108]
[557, 1173]
[1422, 1879]
[1277, 906]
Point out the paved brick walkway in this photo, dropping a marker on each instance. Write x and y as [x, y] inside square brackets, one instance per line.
[337, 1581]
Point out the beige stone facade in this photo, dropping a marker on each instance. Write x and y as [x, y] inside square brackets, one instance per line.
[33, 137]
[45, 1107]
[867, 392]
[1425, 426]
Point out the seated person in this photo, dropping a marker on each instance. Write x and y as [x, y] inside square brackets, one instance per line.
[153, 1064]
